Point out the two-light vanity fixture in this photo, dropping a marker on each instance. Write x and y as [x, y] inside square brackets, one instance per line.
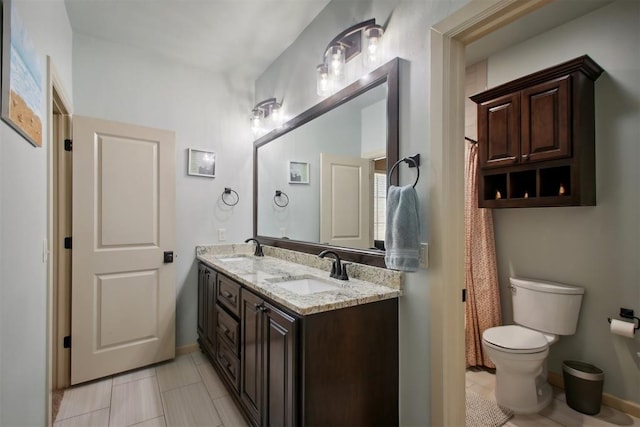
[268, 110]
[363, 37]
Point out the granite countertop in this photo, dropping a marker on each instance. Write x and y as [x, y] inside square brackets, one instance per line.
[267, 275]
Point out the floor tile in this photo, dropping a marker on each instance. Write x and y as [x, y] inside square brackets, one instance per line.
[156, 422]
[85, 398]
[98, 418]
[138, 374]
[199, 358]
[231, 416]
[212, 381]
[190, 406]
[177, 373]
[532, 420]
[483, 378]
[135, 401]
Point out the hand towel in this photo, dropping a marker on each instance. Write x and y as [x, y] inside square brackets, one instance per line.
[403, 229]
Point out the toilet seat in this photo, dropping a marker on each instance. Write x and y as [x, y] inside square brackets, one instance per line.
[515, 339]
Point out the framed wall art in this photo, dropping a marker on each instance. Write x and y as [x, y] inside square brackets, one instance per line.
[298, 172]
[202, 163]
[22, 72]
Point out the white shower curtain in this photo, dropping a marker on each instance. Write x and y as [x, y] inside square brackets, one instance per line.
[482, 309]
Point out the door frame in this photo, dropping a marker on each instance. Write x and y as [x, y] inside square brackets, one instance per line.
[447, 62]
[56, 94]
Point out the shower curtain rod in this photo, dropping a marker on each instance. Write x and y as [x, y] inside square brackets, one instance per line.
[473, 141]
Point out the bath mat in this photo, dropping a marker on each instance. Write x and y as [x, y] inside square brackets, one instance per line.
[482, 412]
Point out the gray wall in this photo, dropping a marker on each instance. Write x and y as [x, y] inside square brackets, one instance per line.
[598, 247]
[23, 228]
[207, 111]
[292, 78]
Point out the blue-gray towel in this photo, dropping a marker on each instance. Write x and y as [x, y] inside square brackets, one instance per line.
[403, 229]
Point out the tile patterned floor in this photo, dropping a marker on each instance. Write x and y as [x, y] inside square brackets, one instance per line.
[183, 392]
[558, 413]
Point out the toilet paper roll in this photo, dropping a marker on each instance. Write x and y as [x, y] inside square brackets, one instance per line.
[622, 328]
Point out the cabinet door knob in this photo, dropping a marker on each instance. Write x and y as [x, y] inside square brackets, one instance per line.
[525, 157]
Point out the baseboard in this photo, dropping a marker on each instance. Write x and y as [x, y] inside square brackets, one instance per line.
[186, 349]
[614, 402]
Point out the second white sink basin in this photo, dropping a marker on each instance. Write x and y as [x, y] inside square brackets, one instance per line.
[304, 285]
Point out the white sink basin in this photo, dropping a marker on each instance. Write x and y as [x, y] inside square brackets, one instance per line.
[304, 285]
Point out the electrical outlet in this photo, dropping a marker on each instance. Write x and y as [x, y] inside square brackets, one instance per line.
[424, 255]
[222, 234]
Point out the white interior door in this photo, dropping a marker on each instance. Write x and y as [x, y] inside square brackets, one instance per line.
[123, 293]
[345, 201]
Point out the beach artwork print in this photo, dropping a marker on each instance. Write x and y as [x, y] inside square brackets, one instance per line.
[21, 78]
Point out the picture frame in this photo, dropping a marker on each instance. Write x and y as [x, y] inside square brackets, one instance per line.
[202, 163]
[22, 95]
[298, 172]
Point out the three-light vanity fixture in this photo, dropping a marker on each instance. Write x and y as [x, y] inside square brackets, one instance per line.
[363, 37]
[269, 110]
[360, 38]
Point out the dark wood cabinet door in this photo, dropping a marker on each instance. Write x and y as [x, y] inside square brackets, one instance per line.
[210, 312]
[545, 121]
[202, 286]
[251, 355]
[499, 131]
[279, 367]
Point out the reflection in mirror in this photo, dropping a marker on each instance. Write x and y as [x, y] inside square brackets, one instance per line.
[332, 163]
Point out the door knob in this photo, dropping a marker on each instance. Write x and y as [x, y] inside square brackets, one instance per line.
[168, 257]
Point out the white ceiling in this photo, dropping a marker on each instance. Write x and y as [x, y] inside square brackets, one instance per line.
[239, 36]
[245, 36]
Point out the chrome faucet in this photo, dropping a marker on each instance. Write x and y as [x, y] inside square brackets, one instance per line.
[258, 251]
[338, 270]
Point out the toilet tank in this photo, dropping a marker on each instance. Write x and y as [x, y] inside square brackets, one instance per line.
[546, 306]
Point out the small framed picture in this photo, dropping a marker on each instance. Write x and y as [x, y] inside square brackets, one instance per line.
[298, 172]
[202, 163]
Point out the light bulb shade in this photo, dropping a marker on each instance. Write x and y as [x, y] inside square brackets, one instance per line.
[372, 52]
[276, 114]
[256, 121]
[324, 85]
[334, 58]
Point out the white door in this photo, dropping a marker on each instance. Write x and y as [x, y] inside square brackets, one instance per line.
[345, 201]
[123, 293]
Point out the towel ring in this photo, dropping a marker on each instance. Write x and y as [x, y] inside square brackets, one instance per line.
[228, 190]
[413, 162]
[279, 195]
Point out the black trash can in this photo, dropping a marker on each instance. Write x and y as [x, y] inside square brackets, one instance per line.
[583, 386]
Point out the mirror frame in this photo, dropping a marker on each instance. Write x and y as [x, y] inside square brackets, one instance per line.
[388, 73]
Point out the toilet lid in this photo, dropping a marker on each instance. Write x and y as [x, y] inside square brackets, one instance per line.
[515, 339]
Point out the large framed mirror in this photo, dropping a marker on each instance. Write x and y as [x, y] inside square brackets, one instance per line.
[320, 180]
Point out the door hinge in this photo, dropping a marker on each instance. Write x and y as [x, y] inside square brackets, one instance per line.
[66, 341]
[67, 242]
[464, 295]
[68, 145]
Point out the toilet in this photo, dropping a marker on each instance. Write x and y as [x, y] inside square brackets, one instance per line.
[542, 311]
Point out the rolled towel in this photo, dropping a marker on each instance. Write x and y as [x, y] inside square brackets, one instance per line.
[403, 229]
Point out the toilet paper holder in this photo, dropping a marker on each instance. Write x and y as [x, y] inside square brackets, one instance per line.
[627, 313]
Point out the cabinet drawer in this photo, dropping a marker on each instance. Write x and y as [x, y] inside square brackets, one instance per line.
[228, 363]
[229, 329]
[229, 294]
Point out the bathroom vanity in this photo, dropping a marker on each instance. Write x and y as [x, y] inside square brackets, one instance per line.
[295, 347]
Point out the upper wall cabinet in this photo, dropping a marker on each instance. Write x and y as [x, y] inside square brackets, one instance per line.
[536, 138]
